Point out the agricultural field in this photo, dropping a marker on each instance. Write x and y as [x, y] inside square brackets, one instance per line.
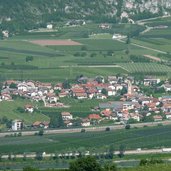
[146, 67]
[154, 137]
[158, 167]
[95, 47]
[155, 43]
[58, 74]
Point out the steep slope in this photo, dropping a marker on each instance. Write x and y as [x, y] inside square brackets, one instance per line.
[27, 14]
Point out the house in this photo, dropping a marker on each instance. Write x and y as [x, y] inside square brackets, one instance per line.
[166, 108]
[128, 106]
[111, 91]
[29, 108]
[112, 79]
[104, 26]
[17, 125]
[40, 124]
[58, 86]
[5, 33]
[68, 123]
[145, 100]
[167, 87]
[85, 122]
[49, 26]
[22, 87]
[157, 118]
[168, 115]
[135, 116]
[151, 81]
[165, 99]
[63, 94]
[52, 98]
[94, 117]
[66, 116]
[6, 96]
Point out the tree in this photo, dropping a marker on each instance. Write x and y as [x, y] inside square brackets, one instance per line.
[83, 48]
[121, 151]
[123, 91]
[107, 129]
[39, 156]
[85, 164]
[104, 91]
[111, 151]
[110, 167]
[66, 84]
[29, 58]
[56, 121]
[28, 168]
[127, 126]
[128, 41]
[13, 85]
[41, 132]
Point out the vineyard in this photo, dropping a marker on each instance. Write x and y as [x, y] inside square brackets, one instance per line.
[146, 68]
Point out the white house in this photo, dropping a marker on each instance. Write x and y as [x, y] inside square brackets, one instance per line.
[49, 26]
[29, 108]
[85, 122]
[17, 125]
[22, 87]
[66, 116]
[167, 87]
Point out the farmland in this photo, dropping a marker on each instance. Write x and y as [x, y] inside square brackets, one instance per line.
[146, 67]
[95, 47]
[154, 137]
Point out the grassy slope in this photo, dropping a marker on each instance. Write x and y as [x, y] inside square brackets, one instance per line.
[9, 109]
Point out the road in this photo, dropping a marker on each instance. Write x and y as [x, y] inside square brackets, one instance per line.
[89, 129]
[128, 152]
[144, 47]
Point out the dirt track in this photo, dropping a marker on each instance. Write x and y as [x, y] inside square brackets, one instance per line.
[153, 58]
[55, 42]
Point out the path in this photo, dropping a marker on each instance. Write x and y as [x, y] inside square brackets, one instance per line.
[153, 58]
[93, 66]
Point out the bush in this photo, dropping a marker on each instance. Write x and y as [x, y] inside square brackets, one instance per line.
[83, 130]
[41, 132]
[127, 126]
[107, 129]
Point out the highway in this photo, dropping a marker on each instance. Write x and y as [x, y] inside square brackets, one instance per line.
[89, 129]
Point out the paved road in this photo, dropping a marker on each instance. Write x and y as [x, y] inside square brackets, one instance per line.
[129, 152]
[89, 129]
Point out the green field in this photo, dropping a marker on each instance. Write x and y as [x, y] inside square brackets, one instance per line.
[154, 137]
[145, 67]
[161, 167]
[9, 109]
[58, 74]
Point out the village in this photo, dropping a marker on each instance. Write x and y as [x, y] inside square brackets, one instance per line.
[123, 100]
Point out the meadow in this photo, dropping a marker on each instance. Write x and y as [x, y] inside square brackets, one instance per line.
[154, 137]
[9, 110]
